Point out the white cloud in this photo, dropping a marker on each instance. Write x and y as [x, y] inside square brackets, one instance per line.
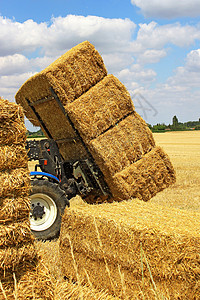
[168, 8]
[187, 76]
[154, 36]
[136, 74]
[193, 61]
[117, 61]
[104, 33]
[9, 85]
[64, 33]
[18, 37]
[151, 56]
[26, 48]
[13, 64]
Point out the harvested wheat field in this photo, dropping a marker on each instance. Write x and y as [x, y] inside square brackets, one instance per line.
[171, 227]
[158, 253]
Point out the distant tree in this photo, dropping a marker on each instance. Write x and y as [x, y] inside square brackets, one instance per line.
[159, 127]
[175, 122]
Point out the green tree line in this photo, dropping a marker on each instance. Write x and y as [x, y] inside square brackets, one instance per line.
[176, 126]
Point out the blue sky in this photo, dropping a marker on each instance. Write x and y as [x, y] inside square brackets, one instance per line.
[153, 47]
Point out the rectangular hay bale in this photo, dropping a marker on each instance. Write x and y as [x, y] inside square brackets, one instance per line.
[70, 76]
[14, 208]
[12, 133]
[61, 131]
[14, 183]
[102, 106]
[15, 233]
[12, 157]
[10, 111]
[122, 145]
[12, 257]
[113, 246]
[12, 128]
[144, 178]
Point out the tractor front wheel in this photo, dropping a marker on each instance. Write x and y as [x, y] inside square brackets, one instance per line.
[48, 202]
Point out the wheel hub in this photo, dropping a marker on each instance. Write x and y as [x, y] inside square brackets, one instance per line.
[43, 212]
[37, 211]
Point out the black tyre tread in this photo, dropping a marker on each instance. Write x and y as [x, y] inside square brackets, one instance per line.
[58, 195]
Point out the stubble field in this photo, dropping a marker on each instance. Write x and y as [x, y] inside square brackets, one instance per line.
[183, 149]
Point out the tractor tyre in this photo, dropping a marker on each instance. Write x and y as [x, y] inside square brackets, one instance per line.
[48, 202]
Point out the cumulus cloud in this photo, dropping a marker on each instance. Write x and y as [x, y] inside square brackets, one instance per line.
[104, 33]
[14, 64]
[193, 61]
[168, 9]
[136, 73]
[63, 34]
[18, 37]
[151, 56]
[28, 47]
[155, 36]
[21, 42]
[9, 84]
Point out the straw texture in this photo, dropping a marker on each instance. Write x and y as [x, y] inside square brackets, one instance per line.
[70, 76]
[16, 240]
[13, 157]
[14, 182]
[101, 107]
[10, 111]
[144, 178]
[133, 249]
[14, 234]
[12, 128]
[21, 274]
[14, 208]
[76, 291]
[122, 145]
[13, 257]
[31, 281]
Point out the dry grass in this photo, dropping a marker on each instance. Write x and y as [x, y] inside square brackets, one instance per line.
[183, 149]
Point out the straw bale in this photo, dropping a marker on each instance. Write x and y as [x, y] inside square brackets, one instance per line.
[12, 128]
[12, 257]
[10, 111]
[30, 281]
[14, 208]
[12, 132]
[122, 145]
[15, 233]
[12, 157]
[14, 182]
[144, 178]
[107, 243]
[70, 76]
[36, 284]
[76, 291]
[61, 130]
[101, 107]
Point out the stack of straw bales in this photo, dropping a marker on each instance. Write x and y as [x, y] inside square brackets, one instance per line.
[133, 250]
[70, 76]
[19, 264]
[102, 112]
